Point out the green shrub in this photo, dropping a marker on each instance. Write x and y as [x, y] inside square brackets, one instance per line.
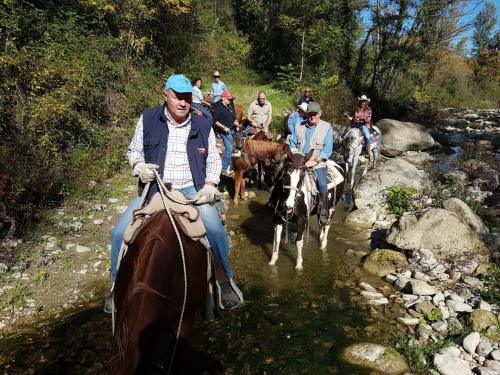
[491, 293]
[420, 356]
[400, 199]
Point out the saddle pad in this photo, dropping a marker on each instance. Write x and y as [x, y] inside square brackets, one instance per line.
[187, 216]
[333, 171]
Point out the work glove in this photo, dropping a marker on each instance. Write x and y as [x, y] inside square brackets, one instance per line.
[145, 171]
[206, 194]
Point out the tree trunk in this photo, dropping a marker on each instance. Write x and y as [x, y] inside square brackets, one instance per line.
[302, 54]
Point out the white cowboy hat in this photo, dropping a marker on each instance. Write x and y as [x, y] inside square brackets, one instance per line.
[363, 98]
[303, 106]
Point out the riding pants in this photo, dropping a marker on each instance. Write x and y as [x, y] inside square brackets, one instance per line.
[322, 180]
[216, 233]
[366, 134]
[227, 138]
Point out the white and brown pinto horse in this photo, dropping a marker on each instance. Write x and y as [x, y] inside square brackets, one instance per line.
[293, 203]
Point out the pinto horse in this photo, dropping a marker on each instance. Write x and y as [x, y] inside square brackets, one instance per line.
[293, 203]
[253, 152]
[156, 299]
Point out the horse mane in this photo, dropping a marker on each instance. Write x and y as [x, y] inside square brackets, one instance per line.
[263, 148]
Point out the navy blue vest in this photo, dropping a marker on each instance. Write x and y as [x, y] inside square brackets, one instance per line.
[155, 140]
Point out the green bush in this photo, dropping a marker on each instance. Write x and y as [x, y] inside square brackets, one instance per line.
[400, 199]
[420, 356]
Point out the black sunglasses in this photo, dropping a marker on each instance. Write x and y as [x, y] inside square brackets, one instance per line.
[216, 76]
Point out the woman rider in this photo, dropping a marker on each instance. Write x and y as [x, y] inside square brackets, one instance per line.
[363, 118]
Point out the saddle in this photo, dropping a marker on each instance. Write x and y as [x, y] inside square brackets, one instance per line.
[333, 174]
[185, 214]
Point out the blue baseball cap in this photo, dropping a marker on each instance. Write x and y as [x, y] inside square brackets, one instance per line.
[179, 83]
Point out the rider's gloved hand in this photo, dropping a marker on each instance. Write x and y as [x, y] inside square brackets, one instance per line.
[145, 171]
[206, 194]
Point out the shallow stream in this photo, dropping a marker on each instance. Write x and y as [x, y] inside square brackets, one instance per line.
[292, 323]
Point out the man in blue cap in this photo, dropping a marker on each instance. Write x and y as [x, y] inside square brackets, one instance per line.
[181, 146]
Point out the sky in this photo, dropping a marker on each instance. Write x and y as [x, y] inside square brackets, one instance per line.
[472, 8]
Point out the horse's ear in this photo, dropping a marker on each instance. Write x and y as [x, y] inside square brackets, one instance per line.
[309, 154]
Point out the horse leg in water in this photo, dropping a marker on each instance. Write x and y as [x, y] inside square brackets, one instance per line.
[238, 180]
[353, 171]
[301, 226]
[367, 163]
[276, 243]
[259, 175]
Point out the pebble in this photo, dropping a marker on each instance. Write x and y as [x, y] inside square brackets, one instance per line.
[3, 268]
[451, 350]
[82, 249]
[401, 283]
[121, 209]
[440, 327]
[390, 278]
[471, 341]
[367, 287]
[113, 200]
[422, 288]
[495, 365]
[486, 371]
[449, 365]
[97, 264]
[484, 348]
[424, 331]
[409, 321]
[483, 305]
[472, 281]
[98, 221]
[438, 297]
[458, 306]
[456, 297]
[378, 301]
[495, 354]
[367, 294]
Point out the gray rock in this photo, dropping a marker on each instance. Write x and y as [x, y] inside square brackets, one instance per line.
[483, 305]
[409, 321]
[98, 221]
[495, 355]
[421, 288]
[495, 365]
[371, 295]
[82, 249]
[375, 357]
[439, 230]
[469, 267]
[364, 217]
[471, 341]
[378, 301]
[484, 348]
[450, 350]
[482, 319]
[3, 268]
[438, 297]
[390, 278]
[121, 209]
[440, 327]
[418, 158]
[367, 287]
[371, 191]
[402, 283]
[450, 365]
[381, 262]
[399, 137]
[486, 371]
[466, 214]
[424, 331]
[456, 297]
[472, 281]
[458, 306]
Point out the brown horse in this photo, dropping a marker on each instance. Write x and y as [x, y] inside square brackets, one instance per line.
[254, 151]
[149, 297]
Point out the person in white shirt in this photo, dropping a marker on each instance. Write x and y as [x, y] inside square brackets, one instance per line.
[198, 102]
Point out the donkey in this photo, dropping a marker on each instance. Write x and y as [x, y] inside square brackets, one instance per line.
[293, 203]
[353, 142]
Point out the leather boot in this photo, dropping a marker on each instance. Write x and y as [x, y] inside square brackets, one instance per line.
[324, 218]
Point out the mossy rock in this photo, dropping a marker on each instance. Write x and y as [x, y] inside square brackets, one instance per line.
[375, 357]
[381, 262]
[482, 319]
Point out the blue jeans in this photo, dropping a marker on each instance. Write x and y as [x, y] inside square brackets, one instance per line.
[227, 138]
[118, 231]
[322, 181]
[203, 110]
[216, 233]
[366, 133]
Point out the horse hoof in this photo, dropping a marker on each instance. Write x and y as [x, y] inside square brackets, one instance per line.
[323, 246]
[272, 262]
[299, 268]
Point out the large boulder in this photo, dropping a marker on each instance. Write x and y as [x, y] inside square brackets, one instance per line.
[399, 136]
[371, 190]
[381, 262]
[465, 213]
[375, 357]
[439, 230]
[482, 319]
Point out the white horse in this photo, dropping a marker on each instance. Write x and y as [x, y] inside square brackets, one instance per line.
[353, 141]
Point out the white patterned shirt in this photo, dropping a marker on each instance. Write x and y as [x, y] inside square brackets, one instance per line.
[177, 170]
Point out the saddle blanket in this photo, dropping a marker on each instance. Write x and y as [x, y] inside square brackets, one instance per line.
[186, 215]
[333, 174]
